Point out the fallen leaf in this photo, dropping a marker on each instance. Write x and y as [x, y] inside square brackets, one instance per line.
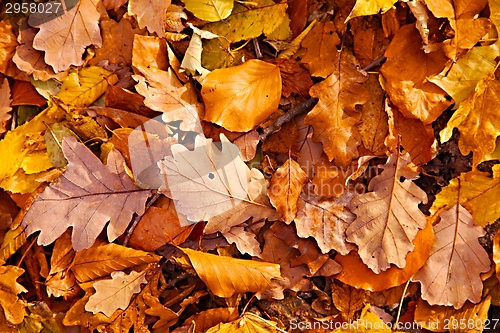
[459, 280]
[24, 93]
[348, 300]
[406, 71]
[245, 241]
[86, 197]
[285, 188]
[82, 88]
[295, 78]
[309, 151]
[367, 7]
[150, 14]
[210, 10]
[13, 307]
[116, 293]
[334, 117]
[12, 241]
[8, 46]
[367, 322]
[192, 58]
[388, 218]
[230, 93]
[5, 108]
[321, 49]
[357, 274]
[477, 121]
[248, 322]
[209, 318]
[226, 276]
[65, 38]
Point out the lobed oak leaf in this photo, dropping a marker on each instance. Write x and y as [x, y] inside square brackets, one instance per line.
[321, 49]
[246, 22]
[210, 10]
[86, 197]
[116, 293]
[241, 97]
[104, 258]
[5, 108]
[388, 218]
[226, 276]
[406, 71]
[245, 241]
[477, 120]
[367, 7]
[65, 37]
[13, 307]
[150, 14]
[285, 188]
[451, 275]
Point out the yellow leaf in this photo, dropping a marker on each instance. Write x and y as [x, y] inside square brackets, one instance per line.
[250, 22]
[249, 322]
[478, 193]
[210, 10]
[370, 7]
[226, 276]
[285, 187]
[23, 155]
[82, 88]
[13, 307]
[13, 240]
[334, 118]
[367, 323]
[477, 120]
[241, 97]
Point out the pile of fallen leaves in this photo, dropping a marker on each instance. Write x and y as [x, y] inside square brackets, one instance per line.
[236, 166]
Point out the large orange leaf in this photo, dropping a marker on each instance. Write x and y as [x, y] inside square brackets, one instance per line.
[226, 276]
[241, 97]
[388, 218]
[356, 274]
[334, 118]
[65, 38]
[451, 275]
[285, 187]
[406, 71]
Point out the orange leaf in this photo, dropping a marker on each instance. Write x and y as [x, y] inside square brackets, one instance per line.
[321, 49]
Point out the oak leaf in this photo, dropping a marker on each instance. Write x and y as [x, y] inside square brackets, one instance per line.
[334, 117]
[116, 293]
[13, 307]
[210, 10]
[321, 49]
[477, 121]
[150, 14]
[65, 38]
[86, 197]
[348, 300]
[388, 218]
[406, 71]
[4, 105]
[245, 241]
[456, 244]
[285, 188]
[104, 258]
[241, 97]
[226, 276]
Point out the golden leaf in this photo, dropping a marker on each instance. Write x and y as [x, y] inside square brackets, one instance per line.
[249, 322]
[13, 307]
[210, 10]
[370, 7]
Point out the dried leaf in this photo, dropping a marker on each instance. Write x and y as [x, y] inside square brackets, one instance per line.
[4, 105]
[321, 49]
[210, 10]
[455, 244]
[57, 36]
[248, 322]
[12, 241]
[335, 116]
[209, 318]
[226, 276]
[13, 307]
[8, 46]
[116, 293]
[348, 300]
[388, 218]
[150, 14]
[230, 93]
[367, 7]
[86, 197]
[245, 241]
[285, 188]
[104, 258]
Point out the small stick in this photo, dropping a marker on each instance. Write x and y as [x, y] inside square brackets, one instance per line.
[256, 46]
[375, 63]
[295, 111]
[138, 218]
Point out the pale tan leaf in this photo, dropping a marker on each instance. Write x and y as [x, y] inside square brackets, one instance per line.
[116, 293]
[150, 14]
[65, 38]
[226, 276]
[451, 275]
[285, 188]
[388, 218]
[245, 241]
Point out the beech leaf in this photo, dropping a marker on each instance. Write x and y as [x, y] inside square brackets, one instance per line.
[226, 276]
[116, 293]
[210, 10]
[451, 275]
[370, 7]
[150, 14]
[86, 197]
[388, 218]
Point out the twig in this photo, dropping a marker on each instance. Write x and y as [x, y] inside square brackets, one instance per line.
[256, 46]
[138, 218]
[375, 63]
[295, 111]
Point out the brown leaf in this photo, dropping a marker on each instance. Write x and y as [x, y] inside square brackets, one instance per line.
[348, 300]
[13, 307]
[245, 241]
[309, 152]
[86, 197]
[8, 45]
[406, 71]
[295, 78]
[321, 45]
[56, 37]
[24, 93]
[456, 245]
[334, 118]
[150, 14]
[119, 98]
[285, 188]
[388, 218]
[211, 317]
[5, 108]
